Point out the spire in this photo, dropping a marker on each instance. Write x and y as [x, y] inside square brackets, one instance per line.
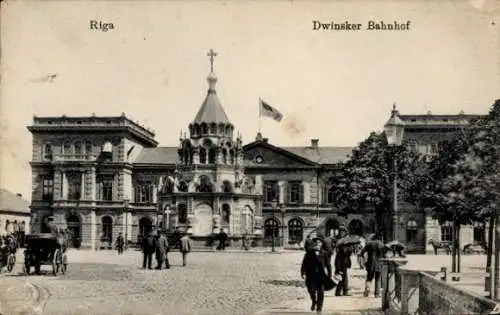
[211, 110]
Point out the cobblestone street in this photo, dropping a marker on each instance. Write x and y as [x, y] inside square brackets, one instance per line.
[212, 283]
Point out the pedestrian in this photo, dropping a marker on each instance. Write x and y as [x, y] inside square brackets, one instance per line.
[222, 239]
[358, 248]
[329, 247]
[244, 241]
[148, 248]
[308, 244]
[119, 243]
[161, 249]
[375, 251]
[185, 248]
[342, 265]
[314, 270]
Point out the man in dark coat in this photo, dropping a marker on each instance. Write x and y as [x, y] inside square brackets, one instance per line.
[148, 248]
[313, 269]
[222, 239]
[342, 265]
[161, 249]
[120, 242]
[375, 251]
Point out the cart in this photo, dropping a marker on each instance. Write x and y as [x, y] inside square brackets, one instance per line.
[43, 249]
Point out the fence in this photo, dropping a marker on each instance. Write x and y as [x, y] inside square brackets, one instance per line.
[410, 291]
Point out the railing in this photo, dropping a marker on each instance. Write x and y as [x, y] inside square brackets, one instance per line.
[412, 291]
[75, 157]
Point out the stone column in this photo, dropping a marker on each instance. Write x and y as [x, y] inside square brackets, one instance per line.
[281, 187]
[93, 229]
[82, 186]
[64, 194]
[93, 184]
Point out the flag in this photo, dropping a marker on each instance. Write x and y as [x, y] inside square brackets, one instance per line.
[267, 110]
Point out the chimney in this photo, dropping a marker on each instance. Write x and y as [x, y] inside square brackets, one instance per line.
[314, 143]
[19, 195]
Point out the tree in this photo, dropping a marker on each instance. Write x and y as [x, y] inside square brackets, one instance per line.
[368, 175]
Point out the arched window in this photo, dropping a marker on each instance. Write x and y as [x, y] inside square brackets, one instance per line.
[183, 187]
[204, 129]
[88, 147]
[47, 151]
[411, 230]
[78, 148]
[330, 194]
[107, 228]
[212, 156]
[224, 156]
[479, 233]
[203, 156]
[213, 128]
[446, 232]
[226, 213]
[67, 148]
[271, 226]
[221, 129]
[295, 231]
[205, 184]
[196, 130]
[227, 187]
[231, 157]
[182, 213]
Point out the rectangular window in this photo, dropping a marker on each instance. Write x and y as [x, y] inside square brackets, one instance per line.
[74, 186]
[295, 192]
[105, 188]
[143, 192]
[47, 188]
[271, 191]
[446, 233]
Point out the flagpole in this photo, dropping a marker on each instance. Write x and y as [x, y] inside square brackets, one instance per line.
[260, 122]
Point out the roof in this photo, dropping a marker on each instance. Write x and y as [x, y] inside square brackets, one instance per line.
[158, 155]
[211, 110]
[322, 155]
[438, 120]
[12, 202]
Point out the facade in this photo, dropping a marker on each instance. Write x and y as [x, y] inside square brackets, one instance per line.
[424, 134]
[14, 213]
[99, 176]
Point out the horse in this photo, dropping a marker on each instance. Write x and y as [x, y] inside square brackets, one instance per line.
[440, 245]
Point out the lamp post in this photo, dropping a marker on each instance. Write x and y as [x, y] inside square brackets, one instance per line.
[394, 129]
[282, 210]
[273, 204]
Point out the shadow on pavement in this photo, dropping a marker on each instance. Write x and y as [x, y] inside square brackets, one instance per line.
[288, 283]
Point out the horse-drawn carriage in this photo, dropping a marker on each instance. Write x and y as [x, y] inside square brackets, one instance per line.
[45, 249]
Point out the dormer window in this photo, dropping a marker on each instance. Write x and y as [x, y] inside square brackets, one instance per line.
[213, 129]
[204, 129]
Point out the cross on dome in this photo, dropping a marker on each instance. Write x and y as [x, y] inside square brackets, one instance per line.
[212, 54]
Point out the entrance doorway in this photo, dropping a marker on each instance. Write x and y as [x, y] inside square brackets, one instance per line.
[145, 227]
[75, 230]
[331, 227]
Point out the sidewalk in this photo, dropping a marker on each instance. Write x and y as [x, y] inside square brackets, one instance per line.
[356, 304]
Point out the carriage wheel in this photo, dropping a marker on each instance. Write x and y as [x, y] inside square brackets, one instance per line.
[55, 268]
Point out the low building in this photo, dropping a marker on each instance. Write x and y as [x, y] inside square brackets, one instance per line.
[15, 214]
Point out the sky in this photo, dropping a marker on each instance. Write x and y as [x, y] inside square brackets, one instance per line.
[336, 86]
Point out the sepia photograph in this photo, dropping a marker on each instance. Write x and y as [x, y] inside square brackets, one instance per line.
[249, 157]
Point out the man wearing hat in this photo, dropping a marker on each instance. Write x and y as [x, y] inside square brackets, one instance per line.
[161, 246]
[316, 270]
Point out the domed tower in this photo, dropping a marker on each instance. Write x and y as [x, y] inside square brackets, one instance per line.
[209, 183]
